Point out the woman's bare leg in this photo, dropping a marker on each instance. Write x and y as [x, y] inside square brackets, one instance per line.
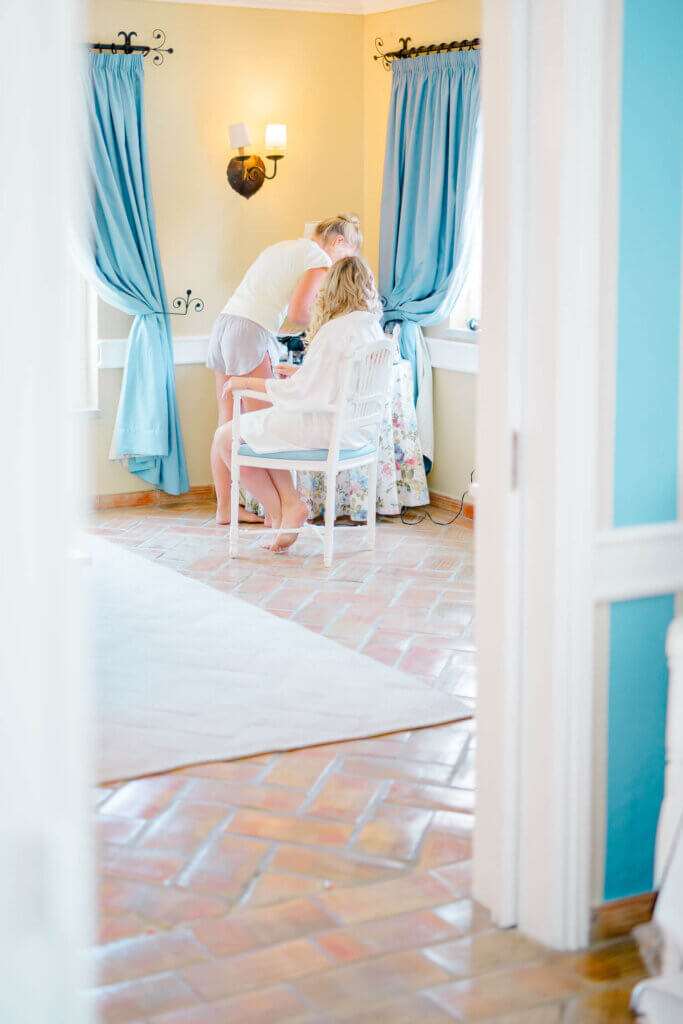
[274, 489]
[294, 510]
[219, 469]
[257, 481]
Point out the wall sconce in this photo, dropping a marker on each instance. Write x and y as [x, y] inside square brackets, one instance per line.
[246, 173]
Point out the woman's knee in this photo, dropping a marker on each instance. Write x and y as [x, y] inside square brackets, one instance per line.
[222, 439]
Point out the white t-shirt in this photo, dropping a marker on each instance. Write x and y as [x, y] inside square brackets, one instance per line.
[264, 292]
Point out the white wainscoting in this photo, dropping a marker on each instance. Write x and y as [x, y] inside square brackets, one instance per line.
[445, 353]
[639, 561]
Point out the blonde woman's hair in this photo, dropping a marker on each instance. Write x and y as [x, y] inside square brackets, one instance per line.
[348, 286]
[345, 224]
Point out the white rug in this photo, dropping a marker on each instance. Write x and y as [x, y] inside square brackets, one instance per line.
[187, 674]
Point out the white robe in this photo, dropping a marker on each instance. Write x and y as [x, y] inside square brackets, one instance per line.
[283, 426]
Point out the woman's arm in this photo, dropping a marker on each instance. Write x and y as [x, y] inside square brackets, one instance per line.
[244, 384]
[303, 296]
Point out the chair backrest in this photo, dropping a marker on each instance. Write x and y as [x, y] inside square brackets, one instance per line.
[365, 390]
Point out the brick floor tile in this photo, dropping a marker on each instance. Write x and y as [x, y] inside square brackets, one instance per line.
[409, 1010]
[225, 866]
[140, 865]
[143, 798]
[112, 928]
[145, 955]
[386, 935]
[235, 771]
[484, 954]
[327, 866]
[384, 899]
[458, 877]
[183, 826]
[423, 660]
[444, 744]
[160, 905]
[359, 985]
[393, 832]
[549, 1014]
[386, 646]
[446, 798]
[117, 830]
[442, 848]
[344, 797]
[238, 794]
[386, 768]
[612, 962]
[464, 776]
[279, 1005]
[232, 975]
[520, 989]
[273, 887]
[133, 1001]
[289, 829]
[298, 770]
[251, 929]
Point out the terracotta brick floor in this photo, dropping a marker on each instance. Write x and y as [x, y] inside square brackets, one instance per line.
[330, 884]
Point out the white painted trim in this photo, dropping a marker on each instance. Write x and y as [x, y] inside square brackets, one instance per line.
[357, 7]
[186, 351]
[639, 561]
[458, 356]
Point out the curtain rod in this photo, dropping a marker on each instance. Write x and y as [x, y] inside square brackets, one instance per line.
[127, 46]
[417, 51]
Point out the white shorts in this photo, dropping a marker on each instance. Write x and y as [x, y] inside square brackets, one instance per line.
[237, 346]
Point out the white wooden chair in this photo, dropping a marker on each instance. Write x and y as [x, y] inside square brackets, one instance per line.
[366, 381]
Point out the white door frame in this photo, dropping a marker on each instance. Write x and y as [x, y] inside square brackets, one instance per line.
[539, 374]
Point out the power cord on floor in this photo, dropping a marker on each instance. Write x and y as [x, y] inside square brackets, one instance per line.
[420, 517]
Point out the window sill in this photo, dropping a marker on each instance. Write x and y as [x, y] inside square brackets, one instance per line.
[449, 352]
[186, 351]
[89, 414]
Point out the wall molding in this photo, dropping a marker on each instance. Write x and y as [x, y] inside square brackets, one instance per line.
[639, 561]
[357, 7]
[186, 351]
[445, 353]
[449, 504]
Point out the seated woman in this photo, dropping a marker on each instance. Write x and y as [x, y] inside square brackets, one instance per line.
[283, 280]
[346, 316]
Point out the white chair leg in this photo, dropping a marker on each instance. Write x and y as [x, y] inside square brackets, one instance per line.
[372, 502]
[330, 507]
[234, 509]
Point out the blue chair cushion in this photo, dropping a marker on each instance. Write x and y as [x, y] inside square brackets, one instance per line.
[311, 455]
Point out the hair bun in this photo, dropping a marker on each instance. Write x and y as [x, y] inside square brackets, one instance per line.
[350, 218]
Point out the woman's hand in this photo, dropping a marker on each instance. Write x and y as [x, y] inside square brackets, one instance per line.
[285, 370]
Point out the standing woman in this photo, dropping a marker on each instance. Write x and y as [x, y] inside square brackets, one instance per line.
[283, 281]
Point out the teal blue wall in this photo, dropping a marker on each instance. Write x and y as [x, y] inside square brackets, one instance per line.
[646, 432]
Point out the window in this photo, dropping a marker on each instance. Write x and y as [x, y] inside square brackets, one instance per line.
[465, 316]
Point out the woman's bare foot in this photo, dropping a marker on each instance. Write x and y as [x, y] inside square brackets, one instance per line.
[293, 518]
[223, 516]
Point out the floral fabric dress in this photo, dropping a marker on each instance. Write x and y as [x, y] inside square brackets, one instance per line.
[401, 479]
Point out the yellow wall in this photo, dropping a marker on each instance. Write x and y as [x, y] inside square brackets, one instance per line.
[232, 64]
[315, 72]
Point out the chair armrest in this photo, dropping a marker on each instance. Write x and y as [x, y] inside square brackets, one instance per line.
[262, 396]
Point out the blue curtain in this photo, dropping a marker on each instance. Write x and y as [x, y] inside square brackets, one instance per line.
[432, 171]
[128, 271]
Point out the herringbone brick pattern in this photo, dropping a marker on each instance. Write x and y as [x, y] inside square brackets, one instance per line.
[330, 884]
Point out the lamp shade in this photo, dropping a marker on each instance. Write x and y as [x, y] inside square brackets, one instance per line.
[239, 135]
[276, 136]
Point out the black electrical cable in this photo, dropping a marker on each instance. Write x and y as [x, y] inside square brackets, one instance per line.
[420, 518]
